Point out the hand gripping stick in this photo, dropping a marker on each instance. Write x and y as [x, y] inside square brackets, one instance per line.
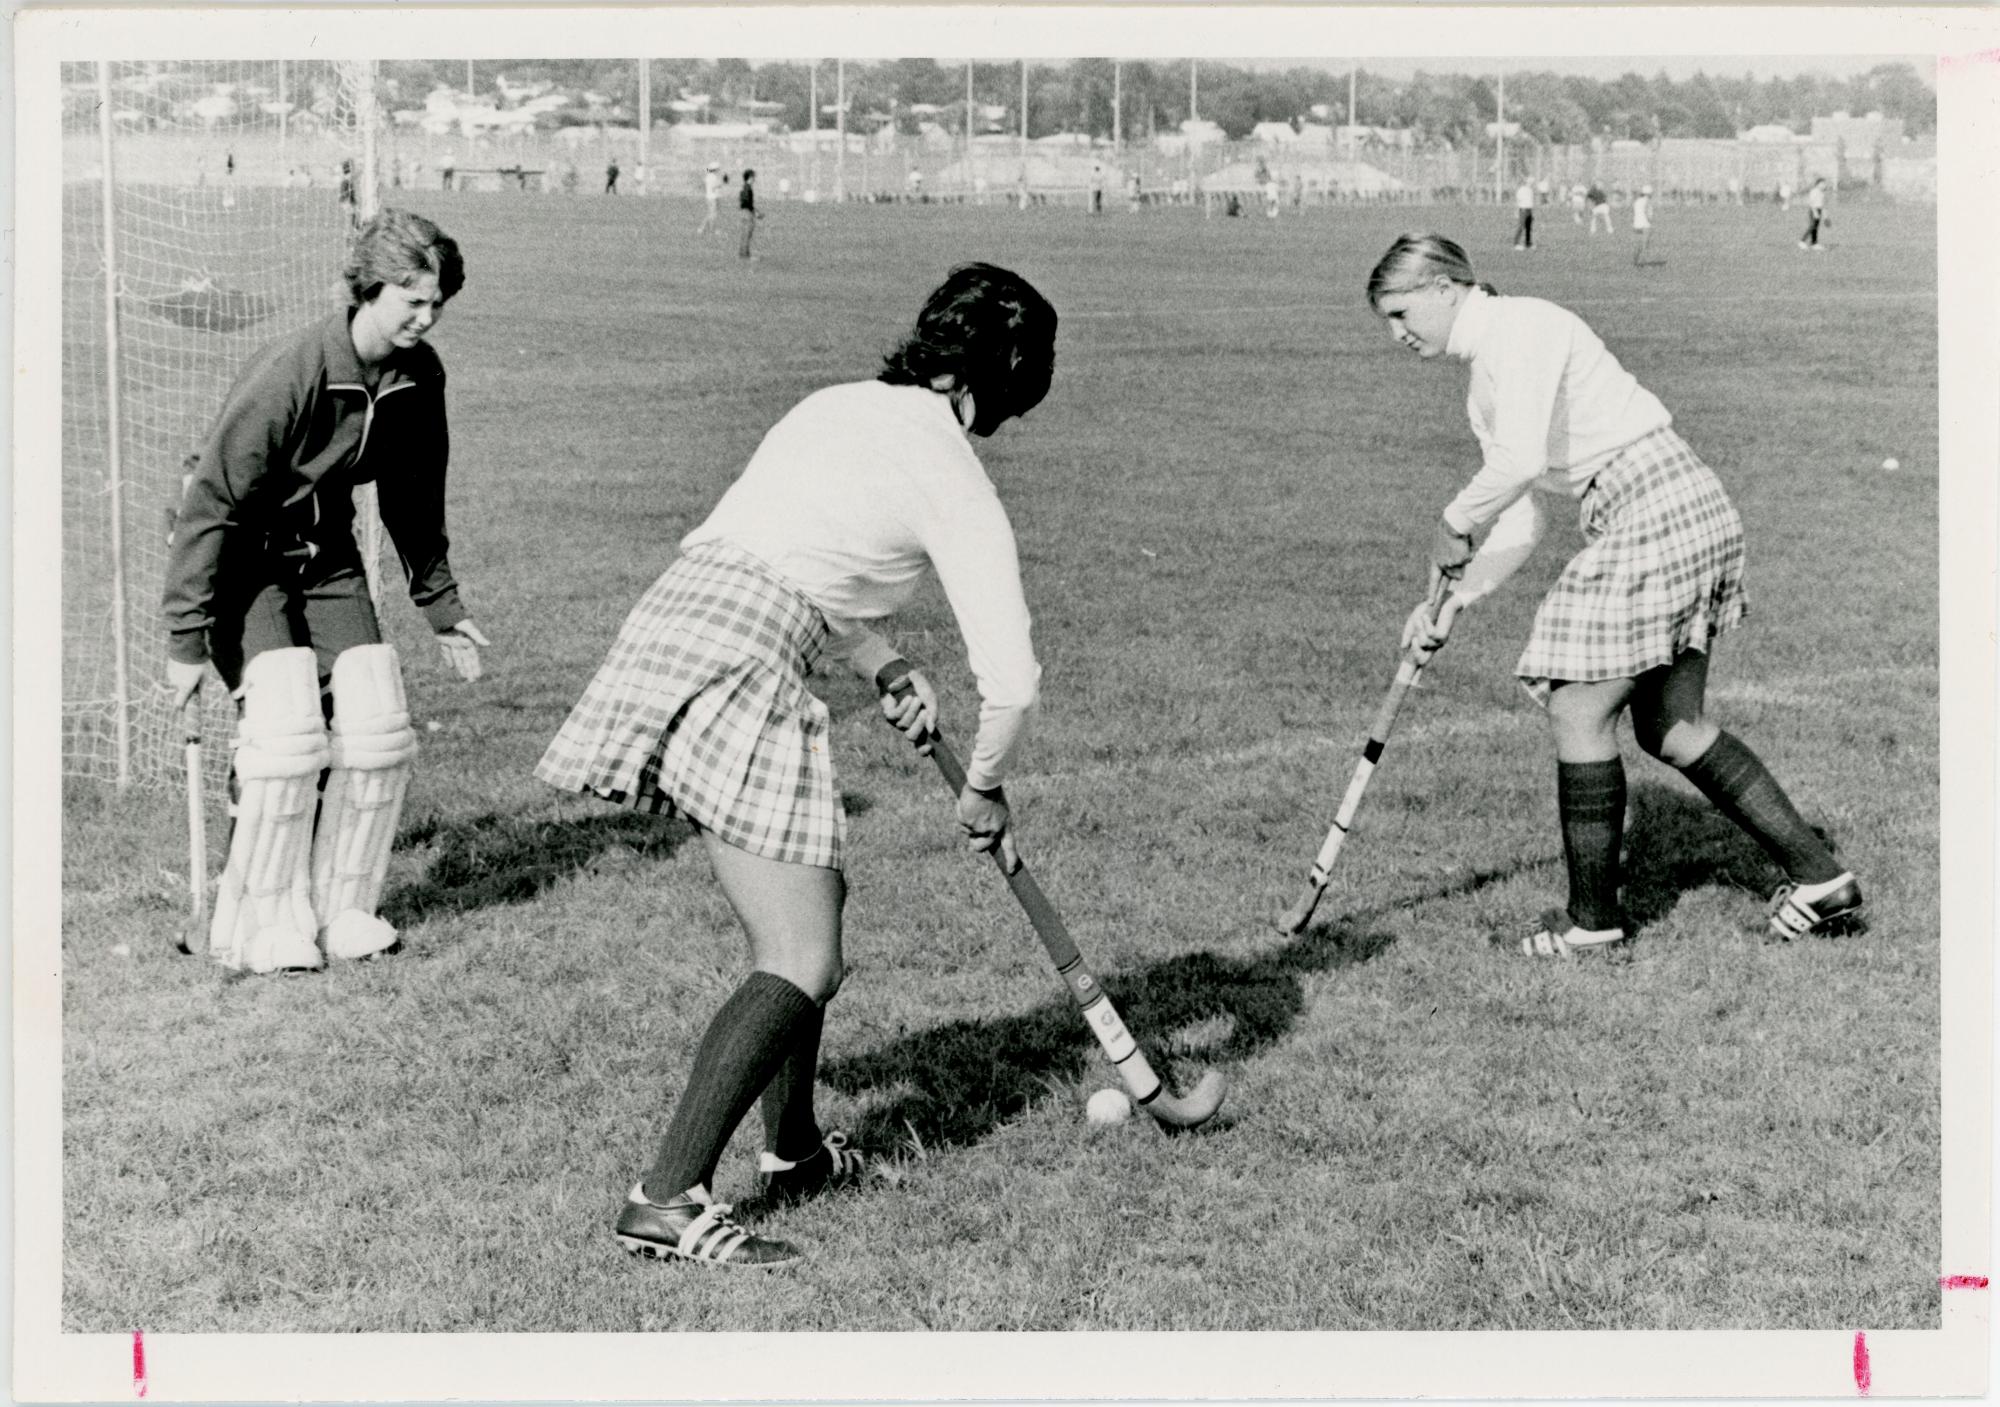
[1407, 672]
[1148, 1091]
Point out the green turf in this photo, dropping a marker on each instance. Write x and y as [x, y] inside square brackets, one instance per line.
[1223, 508]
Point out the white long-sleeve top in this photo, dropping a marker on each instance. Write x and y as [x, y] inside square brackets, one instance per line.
[1546, 397]
[849, 498]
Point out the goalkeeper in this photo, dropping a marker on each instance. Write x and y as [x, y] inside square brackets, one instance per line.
[265, 582]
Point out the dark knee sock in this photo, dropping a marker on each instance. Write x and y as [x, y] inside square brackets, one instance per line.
[746, 1043]
[1742, 788]
[1591, 799]
[790, 1130]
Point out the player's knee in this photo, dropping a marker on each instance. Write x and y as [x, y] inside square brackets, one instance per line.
[831, 975]
[1682, 742]
[818, 975]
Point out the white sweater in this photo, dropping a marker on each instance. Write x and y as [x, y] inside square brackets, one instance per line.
[849, 498]
[1546, 399]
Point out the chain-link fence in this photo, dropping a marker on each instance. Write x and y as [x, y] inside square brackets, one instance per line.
[824, 166]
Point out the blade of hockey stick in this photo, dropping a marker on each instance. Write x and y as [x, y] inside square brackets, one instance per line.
[1147, 1089]
[195, 931]
[1407, 672]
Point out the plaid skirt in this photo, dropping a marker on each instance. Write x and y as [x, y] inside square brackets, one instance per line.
[1661, 572]
[701, 711]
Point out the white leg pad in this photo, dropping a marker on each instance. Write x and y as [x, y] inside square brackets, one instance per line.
[374, 750]
[263, 907]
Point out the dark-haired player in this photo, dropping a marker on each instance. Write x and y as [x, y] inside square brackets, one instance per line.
[701, 710]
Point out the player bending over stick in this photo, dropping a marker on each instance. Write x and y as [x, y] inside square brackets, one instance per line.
[701, 710]
[1630, 621]
[265, 580]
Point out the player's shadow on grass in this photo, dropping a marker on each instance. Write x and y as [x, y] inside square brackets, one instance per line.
[956, 1082]
[1676, 843]
[497, 859]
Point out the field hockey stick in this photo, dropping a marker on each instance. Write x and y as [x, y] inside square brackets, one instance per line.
[196, 930]
[1412, 666]
[1147, 1089]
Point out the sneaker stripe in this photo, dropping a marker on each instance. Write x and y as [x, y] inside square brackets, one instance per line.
[723, 1242]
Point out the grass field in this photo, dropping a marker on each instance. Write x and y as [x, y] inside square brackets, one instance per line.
[1223, 508]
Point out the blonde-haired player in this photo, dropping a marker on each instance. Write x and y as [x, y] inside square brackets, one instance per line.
[1631, 620]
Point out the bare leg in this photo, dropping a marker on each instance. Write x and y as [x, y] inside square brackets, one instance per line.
[791, 914]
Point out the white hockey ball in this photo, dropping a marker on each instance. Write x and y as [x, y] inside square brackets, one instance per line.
[1108, 1106]
[1891, 464]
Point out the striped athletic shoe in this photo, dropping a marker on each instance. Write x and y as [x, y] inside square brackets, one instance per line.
[1557, 936]
[831, 1165]
[1833, 908]
[695, 1227]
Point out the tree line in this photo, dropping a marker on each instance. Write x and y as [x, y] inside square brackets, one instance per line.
[1084, 95]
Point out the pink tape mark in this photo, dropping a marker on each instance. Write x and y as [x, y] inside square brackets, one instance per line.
[139, 1362]
[1951, 62]
[1863, 1375]
[1962, 1282]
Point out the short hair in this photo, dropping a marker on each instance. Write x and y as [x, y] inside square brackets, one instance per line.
[396, 246]
[1413, 261]
[991, 331]
[749, 174]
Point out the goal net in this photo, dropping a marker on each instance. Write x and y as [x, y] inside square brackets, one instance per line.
[203, 217]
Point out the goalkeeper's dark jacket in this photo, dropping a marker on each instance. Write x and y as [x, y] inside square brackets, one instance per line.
[269, 498]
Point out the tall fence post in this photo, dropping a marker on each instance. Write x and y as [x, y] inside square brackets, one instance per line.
[114, 435]
[367, 202]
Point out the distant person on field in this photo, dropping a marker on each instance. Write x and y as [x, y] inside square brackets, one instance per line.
[746, 201]
[349, 202]
[1642, 225]
[1629, 623]
[712, 182]
[446, 169]
[1097, 188]
[1579, 202]
[1784, 195]
[265, 582]
[702, 710]
[1600, 208]
[1815, 216]
[1524, 214]
[611, 176]
[1272, 195]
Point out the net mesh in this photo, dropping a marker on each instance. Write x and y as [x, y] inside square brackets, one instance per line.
[230, 212]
